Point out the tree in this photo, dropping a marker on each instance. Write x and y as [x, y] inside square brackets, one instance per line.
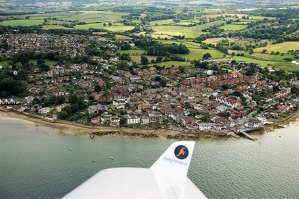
[159, 59]
[207, 56]
[122, 121]
[73, 98]
[110, 24]
[276, 88]
[144, 60]
[97, 88]
[295, 90]
[24, 60]
[104, 24]
[40, 62]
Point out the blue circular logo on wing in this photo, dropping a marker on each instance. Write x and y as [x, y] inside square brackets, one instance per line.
[181, 152]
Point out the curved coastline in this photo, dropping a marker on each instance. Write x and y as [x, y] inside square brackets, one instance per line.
[66, 127]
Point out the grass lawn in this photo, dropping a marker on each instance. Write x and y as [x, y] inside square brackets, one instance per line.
[48, 62]
[281, 47]
[233, 27]
[113, 28]
[4, 63]
[25, 22]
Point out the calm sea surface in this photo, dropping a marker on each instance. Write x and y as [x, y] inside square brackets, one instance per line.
[36, 162]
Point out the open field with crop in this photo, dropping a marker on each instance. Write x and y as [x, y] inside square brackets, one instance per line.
[55, 27]
[267, 63]
[22, 22]
[93, 16]
[122, 37]
[223, 15]
[233, 27]
[217, 40]
[137, 58]
[281, 47]
[261, 18]
[172, 63]
[133, 52]
[113, 28]
[188, 32]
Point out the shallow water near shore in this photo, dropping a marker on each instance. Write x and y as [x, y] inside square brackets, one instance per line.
[37, 162]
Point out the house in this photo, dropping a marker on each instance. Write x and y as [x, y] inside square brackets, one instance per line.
[133, 119]
[115, 121]
[106, 118]
[96, 108]
[204, 126]
[144, 119]
[8, 102]
[44, 110]
[253, 123]
[96, 120]
[155, 117]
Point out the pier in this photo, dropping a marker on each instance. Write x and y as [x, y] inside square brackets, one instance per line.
[246, 135]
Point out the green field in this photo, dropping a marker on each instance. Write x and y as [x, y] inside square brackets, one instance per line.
[22, 22]
[48, 62]
[281, 47]
[267, 63]
[233, 27]
[172, 63]
[4, 63]
[261, 18]
[133, 52]
[55, 27]
[188, 32]
[93, 16]
[137, 58]
[217, 40]
[162, 22]
[113, 28]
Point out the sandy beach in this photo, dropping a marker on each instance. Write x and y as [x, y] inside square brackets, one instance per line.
[66, 127]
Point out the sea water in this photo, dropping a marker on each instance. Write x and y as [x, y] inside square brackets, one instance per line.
[38, 162]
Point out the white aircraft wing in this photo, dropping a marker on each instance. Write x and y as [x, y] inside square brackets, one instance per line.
[166, 179]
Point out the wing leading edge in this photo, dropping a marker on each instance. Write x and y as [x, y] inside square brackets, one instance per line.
[166, 179]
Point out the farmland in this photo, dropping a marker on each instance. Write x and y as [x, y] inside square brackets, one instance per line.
[92, 16]
[185, 30]
[176, 30]
[233, 27]
[281, 47]
[113, 28]
[25, 22]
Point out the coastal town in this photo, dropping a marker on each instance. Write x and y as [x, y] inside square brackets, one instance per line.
[101, 86]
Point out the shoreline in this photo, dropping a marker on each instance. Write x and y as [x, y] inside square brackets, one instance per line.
[67, 127]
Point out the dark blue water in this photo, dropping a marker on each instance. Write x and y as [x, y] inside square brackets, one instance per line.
[36, 162]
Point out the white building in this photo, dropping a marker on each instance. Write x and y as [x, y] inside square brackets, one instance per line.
[133, 119]
[44, 110]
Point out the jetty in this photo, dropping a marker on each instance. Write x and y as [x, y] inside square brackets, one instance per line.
[246, 135]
